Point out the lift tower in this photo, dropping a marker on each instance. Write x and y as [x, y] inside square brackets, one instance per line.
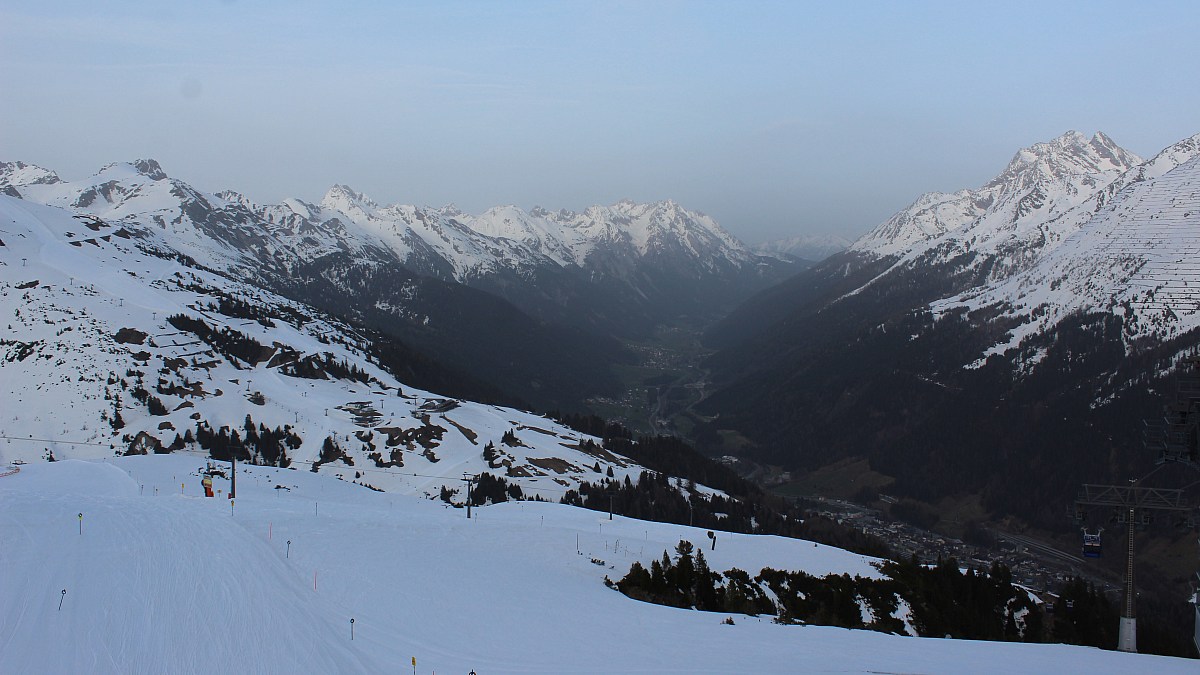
[1176, 439]
[1134, 506]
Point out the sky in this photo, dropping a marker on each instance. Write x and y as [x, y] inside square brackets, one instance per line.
[776, 118]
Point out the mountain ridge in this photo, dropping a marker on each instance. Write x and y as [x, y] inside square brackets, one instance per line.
[336, 266]
[630, 262]
[1038, 184]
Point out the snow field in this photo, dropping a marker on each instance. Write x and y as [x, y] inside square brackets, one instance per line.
[179, 583]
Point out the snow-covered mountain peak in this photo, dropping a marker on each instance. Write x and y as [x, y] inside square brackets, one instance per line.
[234, 197]
[657, 227]
[1040, 184]
[813, 247]
[1170, 157]
[509, 210]
[343, 199]
[145, 168]
[1070, 227]
[150, 169]
[663, 209]
[1069, 155]
[1133, 254]
[107, 191]
[450, 210]
[1106, 147]
[300, 207]
[16, 175]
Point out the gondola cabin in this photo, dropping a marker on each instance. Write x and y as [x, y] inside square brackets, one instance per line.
[1092, 546]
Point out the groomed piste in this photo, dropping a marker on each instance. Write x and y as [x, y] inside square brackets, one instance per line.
[160, 579]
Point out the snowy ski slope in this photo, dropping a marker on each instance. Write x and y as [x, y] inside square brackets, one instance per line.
[164, 582]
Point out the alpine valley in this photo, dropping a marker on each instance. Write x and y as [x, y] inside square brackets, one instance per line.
[986, 345]
[978, 353]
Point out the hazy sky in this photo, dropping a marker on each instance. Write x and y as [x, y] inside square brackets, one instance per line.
[776, 118]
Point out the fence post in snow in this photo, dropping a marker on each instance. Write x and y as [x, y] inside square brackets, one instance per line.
[81, 524]
[60, 599]
[351, 629]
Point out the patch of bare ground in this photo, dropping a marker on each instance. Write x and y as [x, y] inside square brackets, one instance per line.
[469, 433]
[554, 464]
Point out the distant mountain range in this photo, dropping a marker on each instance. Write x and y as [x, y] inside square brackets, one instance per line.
[531, 303]
[814, 248]
[646, 258]
[995, 341]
